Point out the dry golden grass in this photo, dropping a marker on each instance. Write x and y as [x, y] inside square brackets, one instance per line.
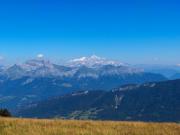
[70, 127]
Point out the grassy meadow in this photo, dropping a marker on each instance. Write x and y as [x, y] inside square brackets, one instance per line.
[11, 126]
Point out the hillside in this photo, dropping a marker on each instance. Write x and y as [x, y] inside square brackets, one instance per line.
[147, 102]
[61, 127]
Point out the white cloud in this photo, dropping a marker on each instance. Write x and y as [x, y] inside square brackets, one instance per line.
[40, 55]
[178, 65]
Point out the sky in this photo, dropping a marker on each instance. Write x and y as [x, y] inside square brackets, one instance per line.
[132, 31]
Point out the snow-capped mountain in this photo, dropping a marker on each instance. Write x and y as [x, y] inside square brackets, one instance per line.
[43, 68]
[93, 66]
[93, 61]
[85, 67]
[35, 67]
[40, 67]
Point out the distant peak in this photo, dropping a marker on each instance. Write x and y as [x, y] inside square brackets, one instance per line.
[95, 57]
[15, 66]
[37, 63]
[79, 59]
[93, 60]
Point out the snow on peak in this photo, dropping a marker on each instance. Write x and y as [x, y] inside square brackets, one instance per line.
[79, 59]
[93, 61]
[96, 57]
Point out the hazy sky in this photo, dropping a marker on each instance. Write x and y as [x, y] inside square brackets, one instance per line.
[133, 31]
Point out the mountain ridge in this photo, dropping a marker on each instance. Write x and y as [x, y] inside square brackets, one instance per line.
[147, 102]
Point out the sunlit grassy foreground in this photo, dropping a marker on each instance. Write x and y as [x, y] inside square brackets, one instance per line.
[63, 127]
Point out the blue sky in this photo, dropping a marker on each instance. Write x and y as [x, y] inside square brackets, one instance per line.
[133, 31]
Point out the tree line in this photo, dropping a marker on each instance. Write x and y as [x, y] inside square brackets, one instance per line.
[5, 113]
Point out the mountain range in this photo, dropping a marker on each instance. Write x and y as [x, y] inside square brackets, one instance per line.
[158, 102]
[39, 79]
[89, 88]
